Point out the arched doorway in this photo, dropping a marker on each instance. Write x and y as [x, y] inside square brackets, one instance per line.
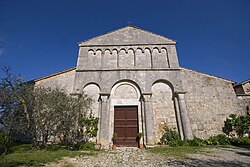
[125, 110]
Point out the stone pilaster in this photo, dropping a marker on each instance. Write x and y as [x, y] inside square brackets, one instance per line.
[143, 119]
[104, 119]
[99, 123]
[149, 119]
[178, 117]
[184, 116]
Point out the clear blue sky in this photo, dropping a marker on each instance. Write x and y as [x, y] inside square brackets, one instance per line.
[39, 37]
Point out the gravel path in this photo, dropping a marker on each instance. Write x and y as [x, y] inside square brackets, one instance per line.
[229, 157]
[133, 157]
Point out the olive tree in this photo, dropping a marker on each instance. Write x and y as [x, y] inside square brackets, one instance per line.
[57, 115]
[16, 102]
[44, 114]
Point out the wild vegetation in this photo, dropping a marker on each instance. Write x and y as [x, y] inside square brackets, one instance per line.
[237, 125]
[48, 119]
[237, 128]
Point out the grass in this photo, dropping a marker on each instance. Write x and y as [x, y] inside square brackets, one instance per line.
[24, 155]
[177, 152]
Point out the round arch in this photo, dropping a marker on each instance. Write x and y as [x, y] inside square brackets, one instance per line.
[128, 81]
[163, 106]
[166, 82]
[125, 93]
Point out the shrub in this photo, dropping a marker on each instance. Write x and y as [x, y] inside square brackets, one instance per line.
[238, 123]
[196, 142]
[170, 137]
[240, 141]
[4, 142]
[84, 146]
[220, 139]
[89, 126]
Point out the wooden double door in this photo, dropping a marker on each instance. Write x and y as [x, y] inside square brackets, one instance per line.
[126, 125]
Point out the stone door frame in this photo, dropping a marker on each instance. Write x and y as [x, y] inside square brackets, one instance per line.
[125, 102]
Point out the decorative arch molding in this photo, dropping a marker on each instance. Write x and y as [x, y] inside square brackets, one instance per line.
[147, 49]
[155, 56]
[165, 82]
[126, 49]
[139, 49]
[123, 49]
[131, 89]
[156, 49]
[163, 88]
[107, 50]
[91, 83]
[128, 81]
[93, 90]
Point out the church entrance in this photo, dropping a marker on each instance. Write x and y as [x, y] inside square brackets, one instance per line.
[126, 125]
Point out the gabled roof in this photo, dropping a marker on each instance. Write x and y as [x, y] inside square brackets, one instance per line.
[129, 35]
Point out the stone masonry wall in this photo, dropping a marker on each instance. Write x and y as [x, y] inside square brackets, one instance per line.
[163, 109]
[64, 80]
[244, 103]
[209, 101]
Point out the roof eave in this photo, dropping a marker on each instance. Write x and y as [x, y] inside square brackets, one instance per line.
[51, 75]
[231, 81]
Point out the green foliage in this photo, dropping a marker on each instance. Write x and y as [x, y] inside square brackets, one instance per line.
[89, 125]
[19, 147]
[4, 138]
[23, 155]
[240, 141]
[220, 139]
[177, 143]
[114, 138]
[84, 146]
[4, 142]
[54, 147]
[238, 123]
[42, 113]
[139, 135]
[196, 142]
[16, 102]
[57, 114]
[170, 137]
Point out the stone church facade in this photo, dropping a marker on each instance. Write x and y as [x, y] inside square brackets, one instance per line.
[137, 86]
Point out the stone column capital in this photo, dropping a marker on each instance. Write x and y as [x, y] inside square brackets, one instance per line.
[146, 96]
[147, 93]
[180, 95]
[103, 96]
[104, 118]
[179, 92]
